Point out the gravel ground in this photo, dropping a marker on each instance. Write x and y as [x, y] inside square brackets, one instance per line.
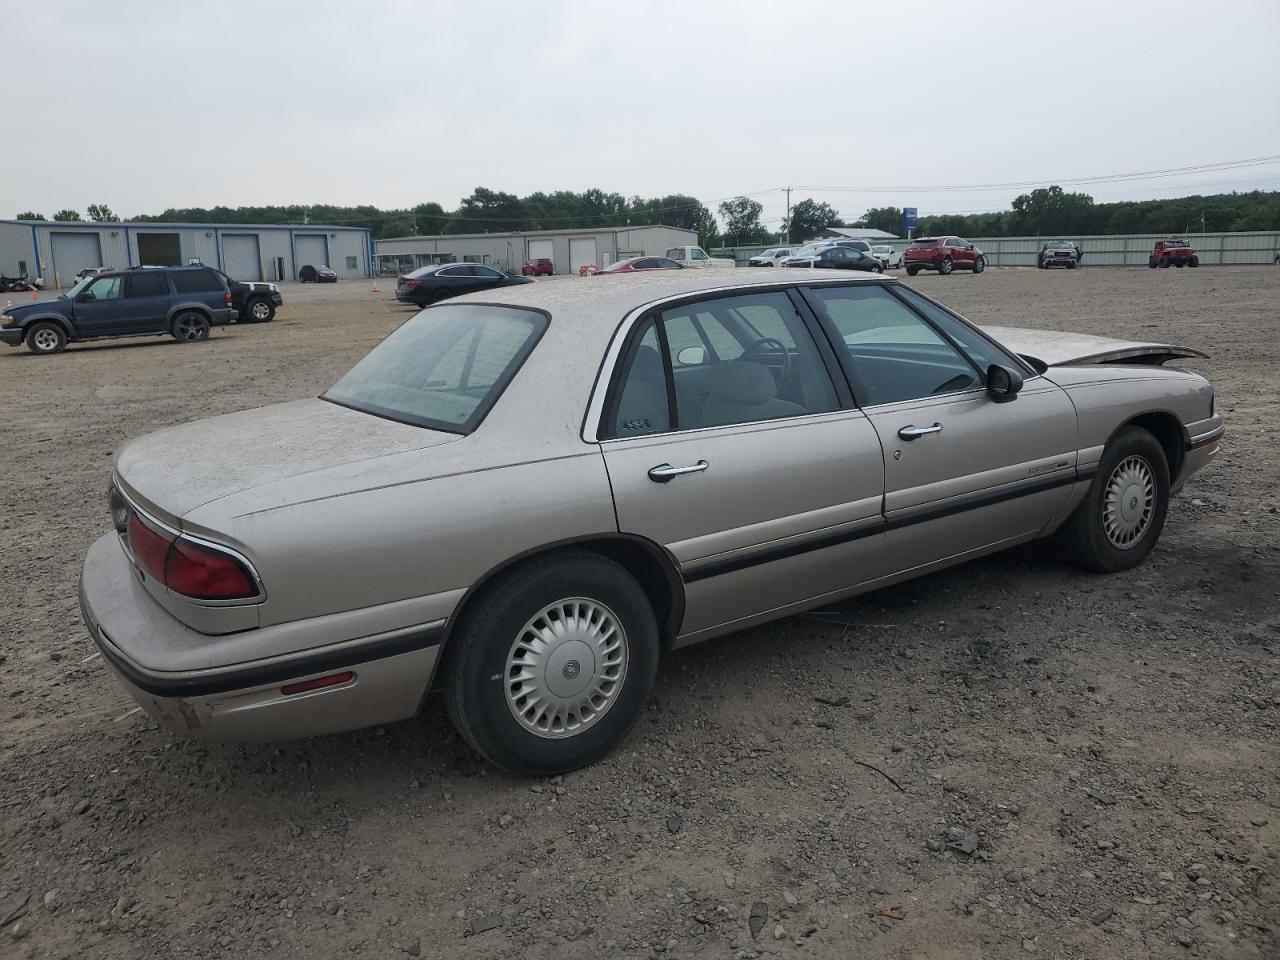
[1011, 758]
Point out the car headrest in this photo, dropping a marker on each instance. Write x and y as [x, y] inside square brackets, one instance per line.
[741, 381]
[647, 364]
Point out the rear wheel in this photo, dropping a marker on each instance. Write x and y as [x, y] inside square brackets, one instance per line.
[189, 327]
[550, 667]
[945, 268]
[1123, 513]
[46, 338]
[1151, 262]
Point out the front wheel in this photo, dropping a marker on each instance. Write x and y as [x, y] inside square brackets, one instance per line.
[912, 271]
[980, 264]
[46, 338]
[877, 269]
[550, 668]
[1195, 261]
[189, 327]
[1164, 263]
[262, 311]
[1151, 262]
[1123, 513]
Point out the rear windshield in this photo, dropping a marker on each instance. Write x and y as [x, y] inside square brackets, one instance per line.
[924, 243]
[443, 369]
[676, 253]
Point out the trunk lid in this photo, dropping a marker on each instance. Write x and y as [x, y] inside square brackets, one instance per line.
[1052, 348]
[174, 471]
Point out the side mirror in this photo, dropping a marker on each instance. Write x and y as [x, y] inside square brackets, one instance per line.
[86, 297]
[691, 356]
[1003, 383]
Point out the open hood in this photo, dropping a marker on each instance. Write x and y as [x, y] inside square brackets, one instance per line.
[1051, 348]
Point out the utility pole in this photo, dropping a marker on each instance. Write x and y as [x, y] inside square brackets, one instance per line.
[788, 220]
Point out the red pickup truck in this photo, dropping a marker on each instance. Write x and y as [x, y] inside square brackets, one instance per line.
[1173, 252]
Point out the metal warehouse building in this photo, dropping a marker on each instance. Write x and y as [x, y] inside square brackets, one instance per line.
[57, 251]
[567, 249]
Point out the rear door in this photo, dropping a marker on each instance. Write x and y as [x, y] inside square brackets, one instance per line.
[149, 300]
[962, 471]
[729, 442]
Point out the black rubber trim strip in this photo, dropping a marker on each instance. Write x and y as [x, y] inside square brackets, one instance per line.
[1207, 439]
[275, 672]
[972, 502]
[717, 568]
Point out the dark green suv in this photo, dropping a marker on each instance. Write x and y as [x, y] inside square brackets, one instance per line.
[183, 302]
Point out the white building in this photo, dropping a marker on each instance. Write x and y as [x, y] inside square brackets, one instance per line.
[567, 249]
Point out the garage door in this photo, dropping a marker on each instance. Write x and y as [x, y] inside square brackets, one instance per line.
[311, 250]
[240, 257]
[159, 250]
[581, 251]
[72, 252]
[539, 249]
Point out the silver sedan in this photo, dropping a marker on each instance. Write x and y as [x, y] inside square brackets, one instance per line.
[524, 497]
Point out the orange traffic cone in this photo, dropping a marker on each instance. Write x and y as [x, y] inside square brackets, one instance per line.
[375, 287]
[33, 295]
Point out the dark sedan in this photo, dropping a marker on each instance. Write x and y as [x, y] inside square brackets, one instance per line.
[838, 258]
[431, 284]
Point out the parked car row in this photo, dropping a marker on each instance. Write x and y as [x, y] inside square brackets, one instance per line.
[183, 302]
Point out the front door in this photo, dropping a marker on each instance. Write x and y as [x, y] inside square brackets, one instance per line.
[963, 473]
[729, 443]
[101, 309]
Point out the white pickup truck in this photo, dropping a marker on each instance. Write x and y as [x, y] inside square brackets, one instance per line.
[697, 257]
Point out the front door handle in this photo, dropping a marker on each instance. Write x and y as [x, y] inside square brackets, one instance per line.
[663, 472]
[910, 433]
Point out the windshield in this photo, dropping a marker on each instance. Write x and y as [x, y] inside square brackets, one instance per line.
[811, 249]
[80, 285]
[443, 369]
[616, 264]
[769, 254]
[882, 248]
[1061, 243]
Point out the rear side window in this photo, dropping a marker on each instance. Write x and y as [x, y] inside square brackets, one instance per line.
[196, 281]
[445, 368]
[148, 285]
[675, 253]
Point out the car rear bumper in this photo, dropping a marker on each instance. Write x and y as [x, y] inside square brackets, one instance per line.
[388, 674]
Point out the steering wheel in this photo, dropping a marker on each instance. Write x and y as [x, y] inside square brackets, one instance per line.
[776, 355]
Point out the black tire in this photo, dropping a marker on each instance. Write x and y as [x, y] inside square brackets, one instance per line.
[980, 264]
[1194, 261]
[260, 311]
[1084, 537]
[1071, 264]
[877, 269]
[1151, 262]
[477, 678]
[912, 271]
[46, 339]
[1164, 263]
[945, 268]
[189, 327]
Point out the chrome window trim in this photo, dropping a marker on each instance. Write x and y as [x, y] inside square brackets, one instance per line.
[662, 434]
[178, 534]
[591, 423]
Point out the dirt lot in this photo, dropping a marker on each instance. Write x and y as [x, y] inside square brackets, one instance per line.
[1088, 766]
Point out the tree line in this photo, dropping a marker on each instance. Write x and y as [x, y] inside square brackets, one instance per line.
[1042, 212]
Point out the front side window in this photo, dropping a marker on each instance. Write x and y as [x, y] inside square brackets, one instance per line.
[445, 368]
[981, 351]
[698, 254]
[107, 288]
[893, 353]
[733, 360]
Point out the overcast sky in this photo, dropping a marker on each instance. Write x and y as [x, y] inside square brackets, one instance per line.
[148, 105]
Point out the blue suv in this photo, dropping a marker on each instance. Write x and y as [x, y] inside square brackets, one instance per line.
[183, 302]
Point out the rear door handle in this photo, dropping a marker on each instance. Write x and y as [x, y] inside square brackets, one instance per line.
[911, 432]
[663, 472]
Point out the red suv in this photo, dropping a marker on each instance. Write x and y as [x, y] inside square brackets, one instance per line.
[1176, 252]
[943, 254]
[540, 267]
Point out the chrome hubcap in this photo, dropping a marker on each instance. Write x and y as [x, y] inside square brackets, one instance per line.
[260, 311]
[566, 668]
[1129, 502]
[46, 339]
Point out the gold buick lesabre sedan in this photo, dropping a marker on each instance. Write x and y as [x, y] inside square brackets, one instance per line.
[526, 496]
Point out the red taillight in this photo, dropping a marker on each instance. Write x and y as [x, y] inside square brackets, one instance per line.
[206, 574]
[149, 546]
[227, 298]
[318, 683]
[190, 569]
[413, 283]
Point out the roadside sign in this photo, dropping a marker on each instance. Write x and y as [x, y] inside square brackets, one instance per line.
[909, 218]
